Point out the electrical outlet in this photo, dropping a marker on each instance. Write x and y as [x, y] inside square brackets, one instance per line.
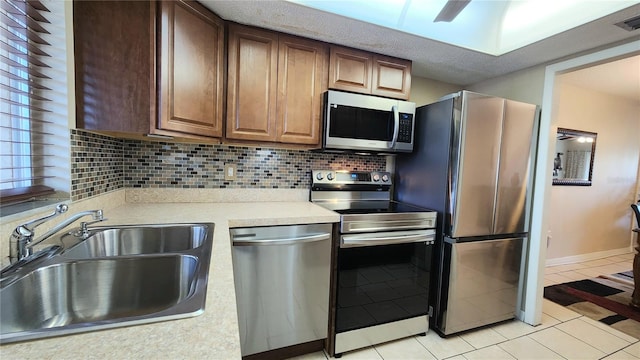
[229, 172]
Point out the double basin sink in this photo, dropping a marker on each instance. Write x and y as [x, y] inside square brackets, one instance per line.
[117, 276]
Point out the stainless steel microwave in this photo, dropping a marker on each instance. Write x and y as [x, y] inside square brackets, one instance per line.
[365, 123]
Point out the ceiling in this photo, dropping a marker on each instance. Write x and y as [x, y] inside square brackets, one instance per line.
[432, 59]
[493, 27]
[620, 78]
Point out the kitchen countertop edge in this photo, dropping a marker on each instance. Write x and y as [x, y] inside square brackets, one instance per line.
[213, 334]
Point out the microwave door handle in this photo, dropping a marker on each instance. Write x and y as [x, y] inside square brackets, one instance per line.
[396, 126]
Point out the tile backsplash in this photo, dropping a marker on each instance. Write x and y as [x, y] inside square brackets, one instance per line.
[97, 164]
[102, 163]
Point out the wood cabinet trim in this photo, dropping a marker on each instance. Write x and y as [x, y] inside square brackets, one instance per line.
[154, 106]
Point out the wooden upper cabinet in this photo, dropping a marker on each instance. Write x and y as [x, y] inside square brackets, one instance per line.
[252, 84]
[350, 70]
[114, 48]
[302, 79]
[275, 86]
[368, 73]
[119, 55]
[191, 76]
[391, 77]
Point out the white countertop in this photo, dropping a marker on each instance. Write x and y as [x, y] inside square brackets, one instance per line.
[212, 335]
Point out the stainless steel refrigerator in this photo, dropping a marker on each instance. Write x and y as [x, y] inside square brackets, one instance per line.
[471, 163]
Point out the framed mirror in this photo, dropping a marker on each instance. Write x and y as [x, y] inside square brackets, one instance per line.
[573, 160]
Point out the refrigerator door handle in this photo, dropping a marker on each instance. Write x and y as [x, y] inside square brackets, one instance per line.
[485, 239]
[449, 240]
[396, 126]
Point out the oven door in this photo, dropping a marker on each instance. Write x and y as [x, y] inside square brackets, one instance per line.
[385, 281]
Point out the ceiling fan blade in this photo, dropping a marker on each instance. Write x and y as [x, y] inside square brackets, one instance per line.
[451, 9]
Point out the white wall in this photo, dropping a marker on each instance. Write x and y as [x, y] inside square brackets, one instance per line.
[597, 218]
[525, 85]
[426, 91]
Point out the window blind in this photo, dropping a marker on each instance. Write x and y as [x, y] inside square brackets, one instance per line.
[34, 133]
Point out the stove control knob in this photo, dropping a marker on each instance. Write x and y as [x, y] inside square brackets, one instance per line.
[376, 177]
[385, 177]
[319, 176]
[329, 176]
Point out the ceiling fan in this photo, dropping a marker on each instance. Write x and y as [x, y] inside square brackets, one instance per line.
[450, 10]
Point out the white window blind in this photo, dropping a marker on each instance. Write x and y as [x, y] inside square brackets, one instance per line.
[34, 131]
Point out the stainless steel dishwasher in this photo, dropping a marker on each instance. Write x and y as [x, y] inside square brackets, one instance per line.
[282, 285]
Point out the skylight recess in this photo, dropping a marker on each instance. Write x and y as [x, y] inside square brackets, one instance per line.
[490, 26]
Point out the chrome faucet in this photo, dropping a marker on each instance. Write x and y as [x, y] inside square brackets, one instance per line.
[22, 239]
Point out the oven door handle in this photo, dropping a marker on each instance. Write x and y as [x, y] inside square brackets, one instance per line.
[352, 226]
[386, 239]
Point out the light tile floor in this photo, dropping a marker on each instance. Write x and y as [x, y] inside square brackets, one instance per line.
[563, 334]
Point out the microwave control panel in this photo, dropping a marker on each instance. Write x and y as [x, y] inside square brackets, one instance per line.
[405, 128]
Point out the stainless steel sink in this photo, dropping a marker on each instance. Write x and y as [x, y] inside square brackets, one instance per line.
[135, 240]
[119, 276]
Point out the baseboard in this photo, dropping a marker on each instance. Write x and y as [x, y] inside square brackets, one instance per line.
[587, 257]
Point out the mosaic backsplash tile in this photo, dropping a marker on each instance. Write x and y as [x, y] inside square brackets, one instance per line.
[165, 165]
[97, 164]
[102, 163]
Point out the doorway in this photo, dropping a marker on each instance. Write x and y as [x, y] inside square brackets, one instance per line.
[540, 217]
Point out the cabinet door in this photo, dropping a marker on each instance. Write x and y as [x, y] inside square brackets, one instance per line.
[350, 70]
[252, 84]
[391, 77]
[302, 78]
[191, 69]
[114, 65]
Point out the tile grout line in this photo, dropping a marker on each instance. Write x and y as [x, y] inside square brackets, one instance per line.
[536, 342]
[589, 345]
[528, 334]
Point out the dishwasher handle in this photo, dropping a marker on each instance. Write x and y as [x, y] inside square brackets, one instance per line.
[243, 240]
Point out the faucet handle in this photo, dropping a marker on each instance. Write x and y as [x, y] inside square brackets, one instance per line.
[84, 224]
[97, 216]
[84, 231]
